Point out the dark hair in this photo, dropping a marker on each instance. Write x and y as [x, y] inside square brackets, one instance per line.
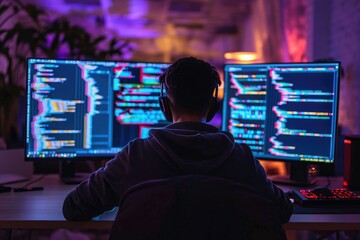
[190, 83]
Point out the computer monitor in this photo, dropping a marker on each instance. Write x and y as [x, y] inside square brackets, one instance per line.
[87, 109]
[284, 112]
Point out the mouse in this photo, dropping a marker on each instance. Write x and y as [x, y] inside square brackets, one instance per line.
[322, 190]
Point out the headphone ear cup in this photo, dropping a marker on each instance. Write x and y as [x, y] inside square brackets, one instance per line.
[214, 107]
[165, 108]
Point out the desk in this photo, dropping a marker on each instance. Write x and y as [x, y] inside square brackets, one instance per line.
[43, 210]
[320, 222]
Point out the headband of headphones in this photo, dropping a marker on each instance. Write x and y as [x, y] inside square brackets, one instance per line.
[162, 82]
[165, 108]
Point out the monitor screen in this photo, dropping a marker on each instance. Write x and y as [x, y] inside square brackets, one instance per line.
[283, 111]
[89, 109]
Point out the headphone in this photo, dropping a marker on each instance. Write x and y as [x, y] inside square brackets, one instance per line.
[165, 106]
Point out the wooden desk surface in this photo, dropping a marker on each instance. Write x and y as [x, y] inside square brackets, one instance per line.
[43, 210]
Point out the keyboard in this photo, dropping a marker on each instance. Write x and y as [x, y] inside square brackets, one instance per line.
[336, 196]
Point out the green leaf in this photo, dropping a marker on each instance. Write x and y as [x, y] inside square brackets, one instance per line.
[98, 40]
[4, 9]
[34, 12]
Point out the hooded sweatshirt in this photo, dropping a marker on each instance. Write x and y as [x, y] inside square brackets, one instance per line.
[185, 148]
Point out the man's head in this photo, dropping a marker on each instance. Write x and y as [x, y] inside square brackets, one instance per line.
[189, 84]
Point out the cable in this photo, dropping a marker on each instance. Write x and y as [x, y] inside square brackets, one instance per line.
[34, 181]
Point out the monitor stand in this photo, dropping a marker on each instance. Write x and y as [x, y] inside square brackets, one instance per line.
[299, 176]
[68, 174]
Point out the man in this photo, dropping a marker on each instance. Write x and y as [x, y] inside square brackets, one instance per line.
[187, 146]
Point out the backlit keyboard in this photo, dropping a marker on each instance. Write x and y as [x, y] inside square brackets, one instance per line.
[338, 196]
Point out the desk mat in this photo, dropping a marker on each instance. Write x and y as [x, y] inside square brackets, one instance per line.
[298, 209]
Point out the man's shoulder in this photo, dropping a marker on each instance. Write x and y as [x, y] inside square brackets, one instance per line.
[243, 147]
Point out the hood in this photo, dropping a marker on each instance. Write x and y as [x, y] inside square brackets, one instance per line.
[192, 146]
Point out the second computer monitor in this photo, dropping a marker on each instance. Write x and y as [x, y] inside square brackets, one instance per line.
[283, 111]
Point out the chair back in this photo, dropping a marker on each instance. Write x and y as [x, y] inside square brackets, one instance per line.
[195, 207]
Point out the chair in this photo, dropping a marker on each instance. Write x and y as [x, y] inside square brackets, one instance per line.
[195, 207]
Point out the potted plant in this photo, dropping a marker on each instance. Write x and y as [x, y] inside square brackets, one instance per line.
[26, 30]
[14, 38]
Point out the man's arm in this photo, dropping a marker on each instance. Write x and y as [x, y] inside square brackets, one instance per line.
[267, 188]
[281, 200]
[99, 193]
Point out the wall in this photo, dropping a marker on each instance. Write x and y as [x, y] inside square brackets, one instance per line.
[334, 30]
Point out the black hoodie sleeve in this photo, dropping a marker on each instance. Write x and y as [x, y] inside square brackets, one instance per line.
[89, 200]
[99, 193]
